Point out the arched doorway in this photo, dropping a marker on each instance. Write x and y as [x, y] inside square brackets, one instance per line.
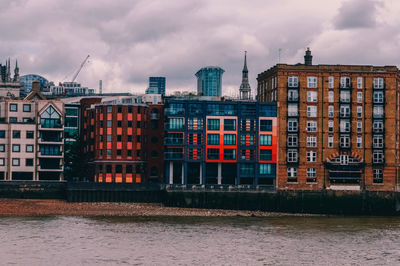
[345, 168]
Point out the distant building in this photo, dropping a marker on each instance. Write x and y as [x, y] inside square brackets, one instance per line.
[26, 82]
[70, 89]
[156, 85]
[9, 86]
[245, 90]
[209, 81]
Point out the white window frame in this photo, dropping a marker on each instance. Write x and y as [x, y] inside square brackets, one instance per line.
[359, 82]
[359, 111]
[311, 141]
[344, 159]
[378, 111]
[345, 82]
[312, 96]
[312, 111]
[359, 142]
[345, 141]
[293, 81]
[311, 156]
[345, 111]
[311, 126]
[331, 96]
[292, 140]
[378, 97]
[359, 127]
[345, 96]
[293, 95]
[312, 172]
[330, 141]
[378, 141]
[293, 125]
[292, 172]
[377, 174]
[331, 111]
[345, 126]
[312, 82]
[331, 82]
[359, 97]
[331, 126]
[295, 111]
[377, 128]
[378, 156]
[292, 156]
[378, 83]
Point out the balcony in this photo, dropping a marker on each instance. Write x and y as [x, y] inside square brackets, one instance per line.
[174, 111]
[173, 141]
[173, 155]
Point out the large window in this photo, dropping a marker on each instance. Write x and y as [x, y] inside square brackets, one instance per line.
[331, 96]
[311, 156]
[345, 111]
[344, 126]
[311, 175]
[50, 118]
[331, 110]
[229, 154]
[265, 168]
[378, 126]
[378, 141]
[50, 150]
[359, 82]
[312, 126]
[213, 139]
[311, 111]
[26, 107]
[378, 176]
[266, 140]
[213, 154]
[292, 174]
[345, 96]
[378, 157]
[378, 97]
[311, 141]
[175, 123]
[345, 82]
[13, 107]
[378, 112]
[292, 156]
[213, 124]
[311, 82]
[16, 134]
[229, 139]
[331, 83]
[16, 148]
[265, 155]
[293, 109]
[378, 83]
[293, 95]
[292, 125]
[359, 97]
[247, 169]
[265, 125]
[292, 141]
[345, 141]
[312, 96]
[229, 124]
[293, 81]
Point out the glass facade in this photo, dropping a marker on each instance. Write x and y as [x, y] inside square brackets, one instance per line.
[209, 81]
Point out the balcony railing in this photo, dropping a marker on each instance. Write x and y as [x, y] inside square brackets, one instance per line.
[173, 155]
[173, 141]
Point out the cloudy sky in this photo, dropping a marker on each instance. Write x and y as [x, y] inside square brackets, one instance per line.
[130, 40]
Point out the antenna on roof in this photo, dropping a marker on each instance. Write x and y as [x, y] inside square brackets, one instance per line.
[279, 55]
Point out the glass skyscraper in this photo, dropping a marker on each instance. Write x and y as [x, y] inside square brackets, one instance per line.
[209, 81]
[156, 85]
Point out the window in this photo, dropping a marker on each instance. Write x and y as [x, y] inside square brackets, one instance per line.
[293, 81]
[311, 156]
[16, 148]
[311, 111]
[119, 138]
[292, 125]
[29, 134]
[265, 125]
[266, 140]
[229, 154]
[311, 82]
[312, 96]
[28, 162]
[344, 159]
[109, 109]
[293, 95]
[331, 82]
[331, 111]
[175, 123]
[247, 139]
[311, 174]
[229, 124]
[359, 127]
[378, 126]
[13, 107]
[119, 123]
[213, 124]
[344, 126]
[2, 161]
[16, 134]
[29, 148]
[378, 97]
[26, 107]
[265, 155]
[15, 161]
[359, 97]
[377, 141]
[359, 111]
[2, 147]
[292, 156]
[378, 83]
[13, 120]
[345, 111]
[345, 141]
[378, 112]
[50, 118]
[213, 139]
[331, 96]
[377, 157]
[359, 82]
[292, 174]
[119, 152]
[247, 169]
[292, 141]
[311, 141]
[109, 152]
[2, 134]
[109, 138]
[292, 109]
[378, 176]
[330, 141]
[330, 126]
[265, 168]
[345, 96]
[359, 142]
[312, 126]
[345, 82]
[213, 154]
[229, 139]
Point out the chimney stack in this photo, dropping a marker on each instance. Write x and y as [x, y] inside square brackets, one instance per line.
[308, 57]
[36, 85]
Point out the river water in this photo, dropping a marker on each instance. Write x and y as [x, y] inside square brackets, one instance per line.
[200, 241]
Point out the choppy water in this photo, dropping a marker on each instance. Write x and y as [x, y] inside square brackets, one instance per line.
[205, 240]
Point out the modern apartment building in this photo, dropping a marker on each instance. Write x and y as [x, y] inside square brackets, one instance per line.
[156, 85]
[122, 140]
[209, 81]
[220, 142]
[31, 139]
[338, 125]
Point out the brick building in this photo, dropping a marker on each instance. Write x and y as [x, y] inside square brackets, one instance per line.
[220, 142]
[338, 125]
[121, 140]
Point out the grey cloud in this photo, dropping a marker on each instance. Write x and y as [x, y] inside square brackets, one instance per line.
[356, 14]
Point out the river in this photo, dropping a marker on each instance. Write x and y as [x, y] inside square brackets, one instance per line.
[200, 240]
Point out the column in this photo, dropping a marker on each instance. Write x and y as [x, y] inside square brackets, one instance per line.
[171, 172]
[183, 173]
[219, 174]
[201, 174]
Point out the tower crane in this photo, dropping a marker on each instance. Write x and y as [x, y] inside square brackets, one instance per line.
[80, 68]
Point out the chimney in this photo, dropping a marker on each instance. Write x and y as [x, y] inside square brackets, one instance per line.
[100, 87]
[308, 57]
[36, 85]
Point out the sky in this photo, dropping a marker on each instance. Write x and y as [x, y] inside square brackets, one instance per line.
[131, 40]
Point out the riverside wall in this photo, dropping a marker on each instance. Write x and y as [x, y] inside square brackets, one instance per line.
[214, 197]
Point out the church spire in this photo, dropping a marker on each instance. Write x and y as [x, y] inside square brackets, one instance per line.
[16, 72]
[245, 90]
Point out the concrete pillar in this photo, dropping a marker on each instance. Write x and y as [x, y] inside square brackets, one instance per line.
[183, 173]
[171, 172]
[219, 173]
[201, 174]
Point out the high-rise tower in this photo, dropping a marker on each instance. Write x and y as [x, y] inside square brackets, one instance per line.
[245, 90]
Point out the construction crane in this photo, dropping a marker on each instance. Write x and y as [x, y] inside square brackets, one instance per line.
[80, 68]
